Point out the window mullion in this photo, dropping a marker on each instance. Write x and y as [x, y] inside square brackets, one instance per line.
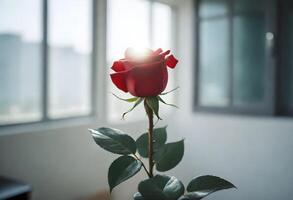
[231, 50]
[94, 60]
[45, 62]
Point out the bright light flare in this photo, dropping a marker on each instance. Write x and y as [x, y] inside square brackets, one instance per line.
[139, 53]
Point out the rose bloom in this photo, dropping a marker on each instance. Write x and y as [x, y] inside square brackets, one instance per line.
[143, 76]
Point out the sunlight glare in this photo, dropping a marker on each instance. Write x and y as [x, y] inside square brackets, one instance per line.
[138, 52]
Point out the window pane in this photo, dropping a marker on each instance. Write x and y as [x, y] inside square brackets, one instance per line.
[249, 5]
[126, 29]
[162, 29]
[70, 57]
[20, 61]
[214, 63]
[212, 8]
[249, 59]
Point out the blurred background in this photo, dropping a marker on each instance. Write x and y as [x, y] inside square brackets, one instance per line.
[235, 74]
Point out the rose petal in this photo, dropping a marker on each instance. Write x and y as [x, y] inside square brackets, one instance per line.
[165, 53]
[118, 66]
[157, 52]
[119, 80]
[171, 61]
[147, 80]
[130, 63]
[149, 64]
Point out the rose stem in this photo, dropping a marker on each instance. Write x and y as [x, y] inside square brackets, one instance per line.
[149, 113]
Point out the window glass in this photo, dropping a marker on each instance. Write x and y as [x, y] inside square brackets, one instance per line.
[20, 61]
[213, 62]
[125, 29]
[248, 59]
[249, 5]
[70, 45]
[162, 27]
[212, 8]
[231, 53]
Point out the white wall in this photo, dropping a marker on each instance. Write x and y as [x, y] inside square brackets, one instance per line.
[61, 164]
[253, 152]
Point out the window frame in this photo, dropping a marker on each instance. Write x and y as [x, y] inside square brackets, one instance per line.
[269, 107]
[44, 65]
[282, 11]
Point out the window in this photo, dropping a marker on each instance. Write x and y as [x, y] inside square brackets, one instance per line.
[20, 61]
[45, 61]
[237, 56]
[125, 29]
[69, 58]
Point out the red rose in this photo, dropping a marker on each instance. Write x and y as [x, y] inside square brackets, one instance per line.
[143, 77]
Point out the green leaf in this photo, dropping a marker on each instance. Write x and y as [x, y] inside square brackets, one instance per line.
[138, 196]
[164, 93]
[129, 100]
[122, 169]
[161, 187]
[160, 137]
[203, 186]
[169, 156]
[168, 104]
[138, 101]
[153, 103]
[114, 140]
[190, 196]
